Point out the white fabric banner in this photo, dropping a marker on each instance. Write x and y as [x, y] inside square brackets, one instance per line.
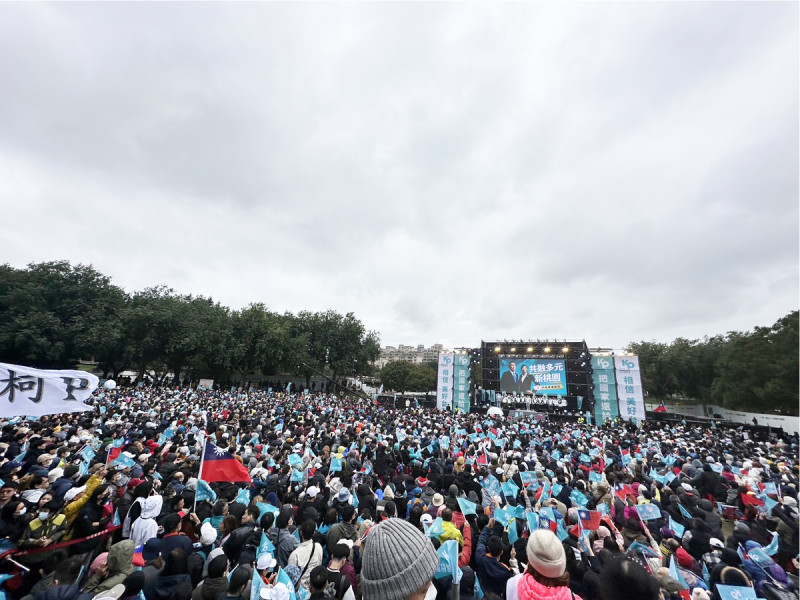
[629, 393]
[444, 389]
[36, 392]
[626, 363]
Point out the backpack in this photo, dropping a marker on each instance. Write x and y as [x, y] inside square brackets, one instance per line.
[330, 588]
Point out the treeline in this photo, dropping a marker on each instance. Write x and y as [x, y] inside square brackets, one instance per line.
[400, 376]
[53, 314]
[756, 371]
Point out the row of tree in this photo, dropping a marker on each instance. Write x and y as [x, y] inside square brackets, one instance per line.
[401, 376]
[754, 370]
[53, 314]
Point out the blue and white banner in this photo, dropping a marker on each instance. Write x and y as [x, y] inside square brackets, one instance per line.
[605, 389]
[629, 388]
[444, 389]
[461, 383]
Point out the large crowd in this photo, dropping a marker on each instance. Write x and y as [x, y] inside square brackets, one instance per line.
[333, 496]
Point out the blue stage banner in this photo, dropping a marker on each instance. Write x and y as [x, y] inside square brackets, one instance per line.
[606, 406]
[539, 376]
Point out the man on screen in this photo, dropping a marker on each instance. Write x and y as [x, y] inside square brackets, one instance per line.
[509, 381]
[525, 381]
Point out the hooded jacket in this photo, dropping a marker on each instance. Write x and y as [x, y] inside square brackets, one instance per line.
[145, 527]
[120, 565]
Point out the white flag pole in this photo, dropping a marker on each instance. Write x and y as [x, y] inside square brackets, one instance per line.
[200, 472]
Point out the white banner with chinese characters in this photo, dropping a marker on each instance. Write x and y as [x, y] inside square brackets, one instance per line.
[444, 389]
[629, 388]
[36, 392]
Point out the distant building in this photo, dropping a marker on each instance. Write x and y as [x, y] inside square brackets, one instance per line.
[412, 354]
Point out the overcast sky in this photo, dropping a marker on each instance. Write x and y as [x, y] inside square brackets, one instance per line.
[448, 172]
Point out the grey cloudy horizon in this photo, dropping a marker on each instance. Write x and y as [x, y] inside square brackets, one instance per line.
[449, 172]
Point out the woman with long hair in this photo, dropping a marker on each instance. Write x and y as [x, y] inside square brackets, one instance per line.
[545, 577]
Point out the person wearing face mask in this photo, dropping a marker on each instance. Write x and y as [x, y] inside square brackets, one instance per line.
[46, 529]
[398, 563]
[13, 519]
[77, 497]
[91, 519]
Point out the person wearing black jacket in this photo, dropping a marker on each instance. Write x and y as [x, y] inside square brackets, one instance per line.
[91, 520]
[240, 536]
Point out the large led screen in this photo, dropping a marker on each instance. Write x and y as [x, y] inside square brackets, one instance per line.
[537, 376]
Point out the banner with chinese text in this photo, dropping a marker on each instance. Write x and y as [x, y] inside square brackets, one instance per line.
[605, 389]
[37, 392]
[444, 389]
[629, 388]
[461, 383]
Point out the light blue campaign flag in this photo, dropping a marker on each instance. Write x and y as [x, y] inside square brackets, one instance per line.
[295, 460]
[556, 489]
[243, 497]
[760, 557]
[770, 488]
[123, 461]
[545, 496]
[527, 477]
[533, 521]
[547, 511]
[256, 585]
[685, 512]
[266, 545]
[510, 489]
[519, 511]
[676, 574]
[735, 592]
[676, 528]
[603, 508]
[436, 529]
[115, 521]
[204, 492]
[86, 453]
[297, 475]
[467, 507]
[448, 562]
[595, 477]
[578, 498]
[283, 578]
[561, 531]
[640, 547]
[648, 512]
[585, 458]
[157, 475]
[772, 548]
[83, 468]
[706, 574]
[513, 532]
[501, 516]
[336, 464]
[556, 454]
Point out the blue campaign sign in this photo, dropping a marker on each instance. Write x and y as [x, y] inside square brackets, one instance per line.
[735, 592]
[336, 464]
[578, 498]
[648, 512]
[676, 528]
[467, 507]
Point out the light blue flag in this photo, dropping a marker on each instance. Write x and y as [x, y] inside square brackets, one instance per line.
[87, 453]
[295, 460]
[760, 557]
[157, 475]
[297, 475]
[336, 464]
[266, 545]
[561, 532]
[204, 492]
[676, 574]
[436, 529]
[685, 512]
[467, 507]
[648, 512]
[595, 477]
[676, 528]
[123, 461]
[547, 511]
[527, 477]
[115, 521]
[283, 577]
[603, 508]
[510, 489]
[243, 497]
[735, 592]
[264, 508]
[533, 521]
[578, 498]
[513, 533]
[545, 492]
[501, 516]
[772, 548]
[556, 489]
[448, 562]
[556, 454]
[255, 586]
[519, 511]
[706, 575]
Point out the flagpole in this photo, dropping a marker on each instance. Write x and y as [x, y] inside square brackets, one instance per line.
[200, 472]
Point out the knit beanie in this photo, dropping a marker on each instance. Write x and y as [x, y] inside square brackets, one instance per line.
[546, 554]
[397, 561]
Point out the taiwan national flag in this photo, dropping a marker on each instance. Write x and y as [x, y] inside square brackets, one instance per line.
[661, 408]
[219, 465]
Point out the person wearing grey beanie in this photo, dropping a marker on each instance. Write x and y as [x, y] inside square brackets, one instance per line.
[398, 562]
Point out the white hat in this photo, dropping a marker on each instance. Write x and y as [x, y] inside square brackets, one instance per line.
[426, 518]
[55, 474]
[278, 592]
[265, 561]
[715, 543]
[72, 492]
[208, 535]
[312, 491]
[113, 594]
[687, 487]
[789, 501]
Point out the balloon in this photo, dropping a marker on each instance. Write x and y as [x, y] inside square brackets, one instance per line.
[110, 384]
